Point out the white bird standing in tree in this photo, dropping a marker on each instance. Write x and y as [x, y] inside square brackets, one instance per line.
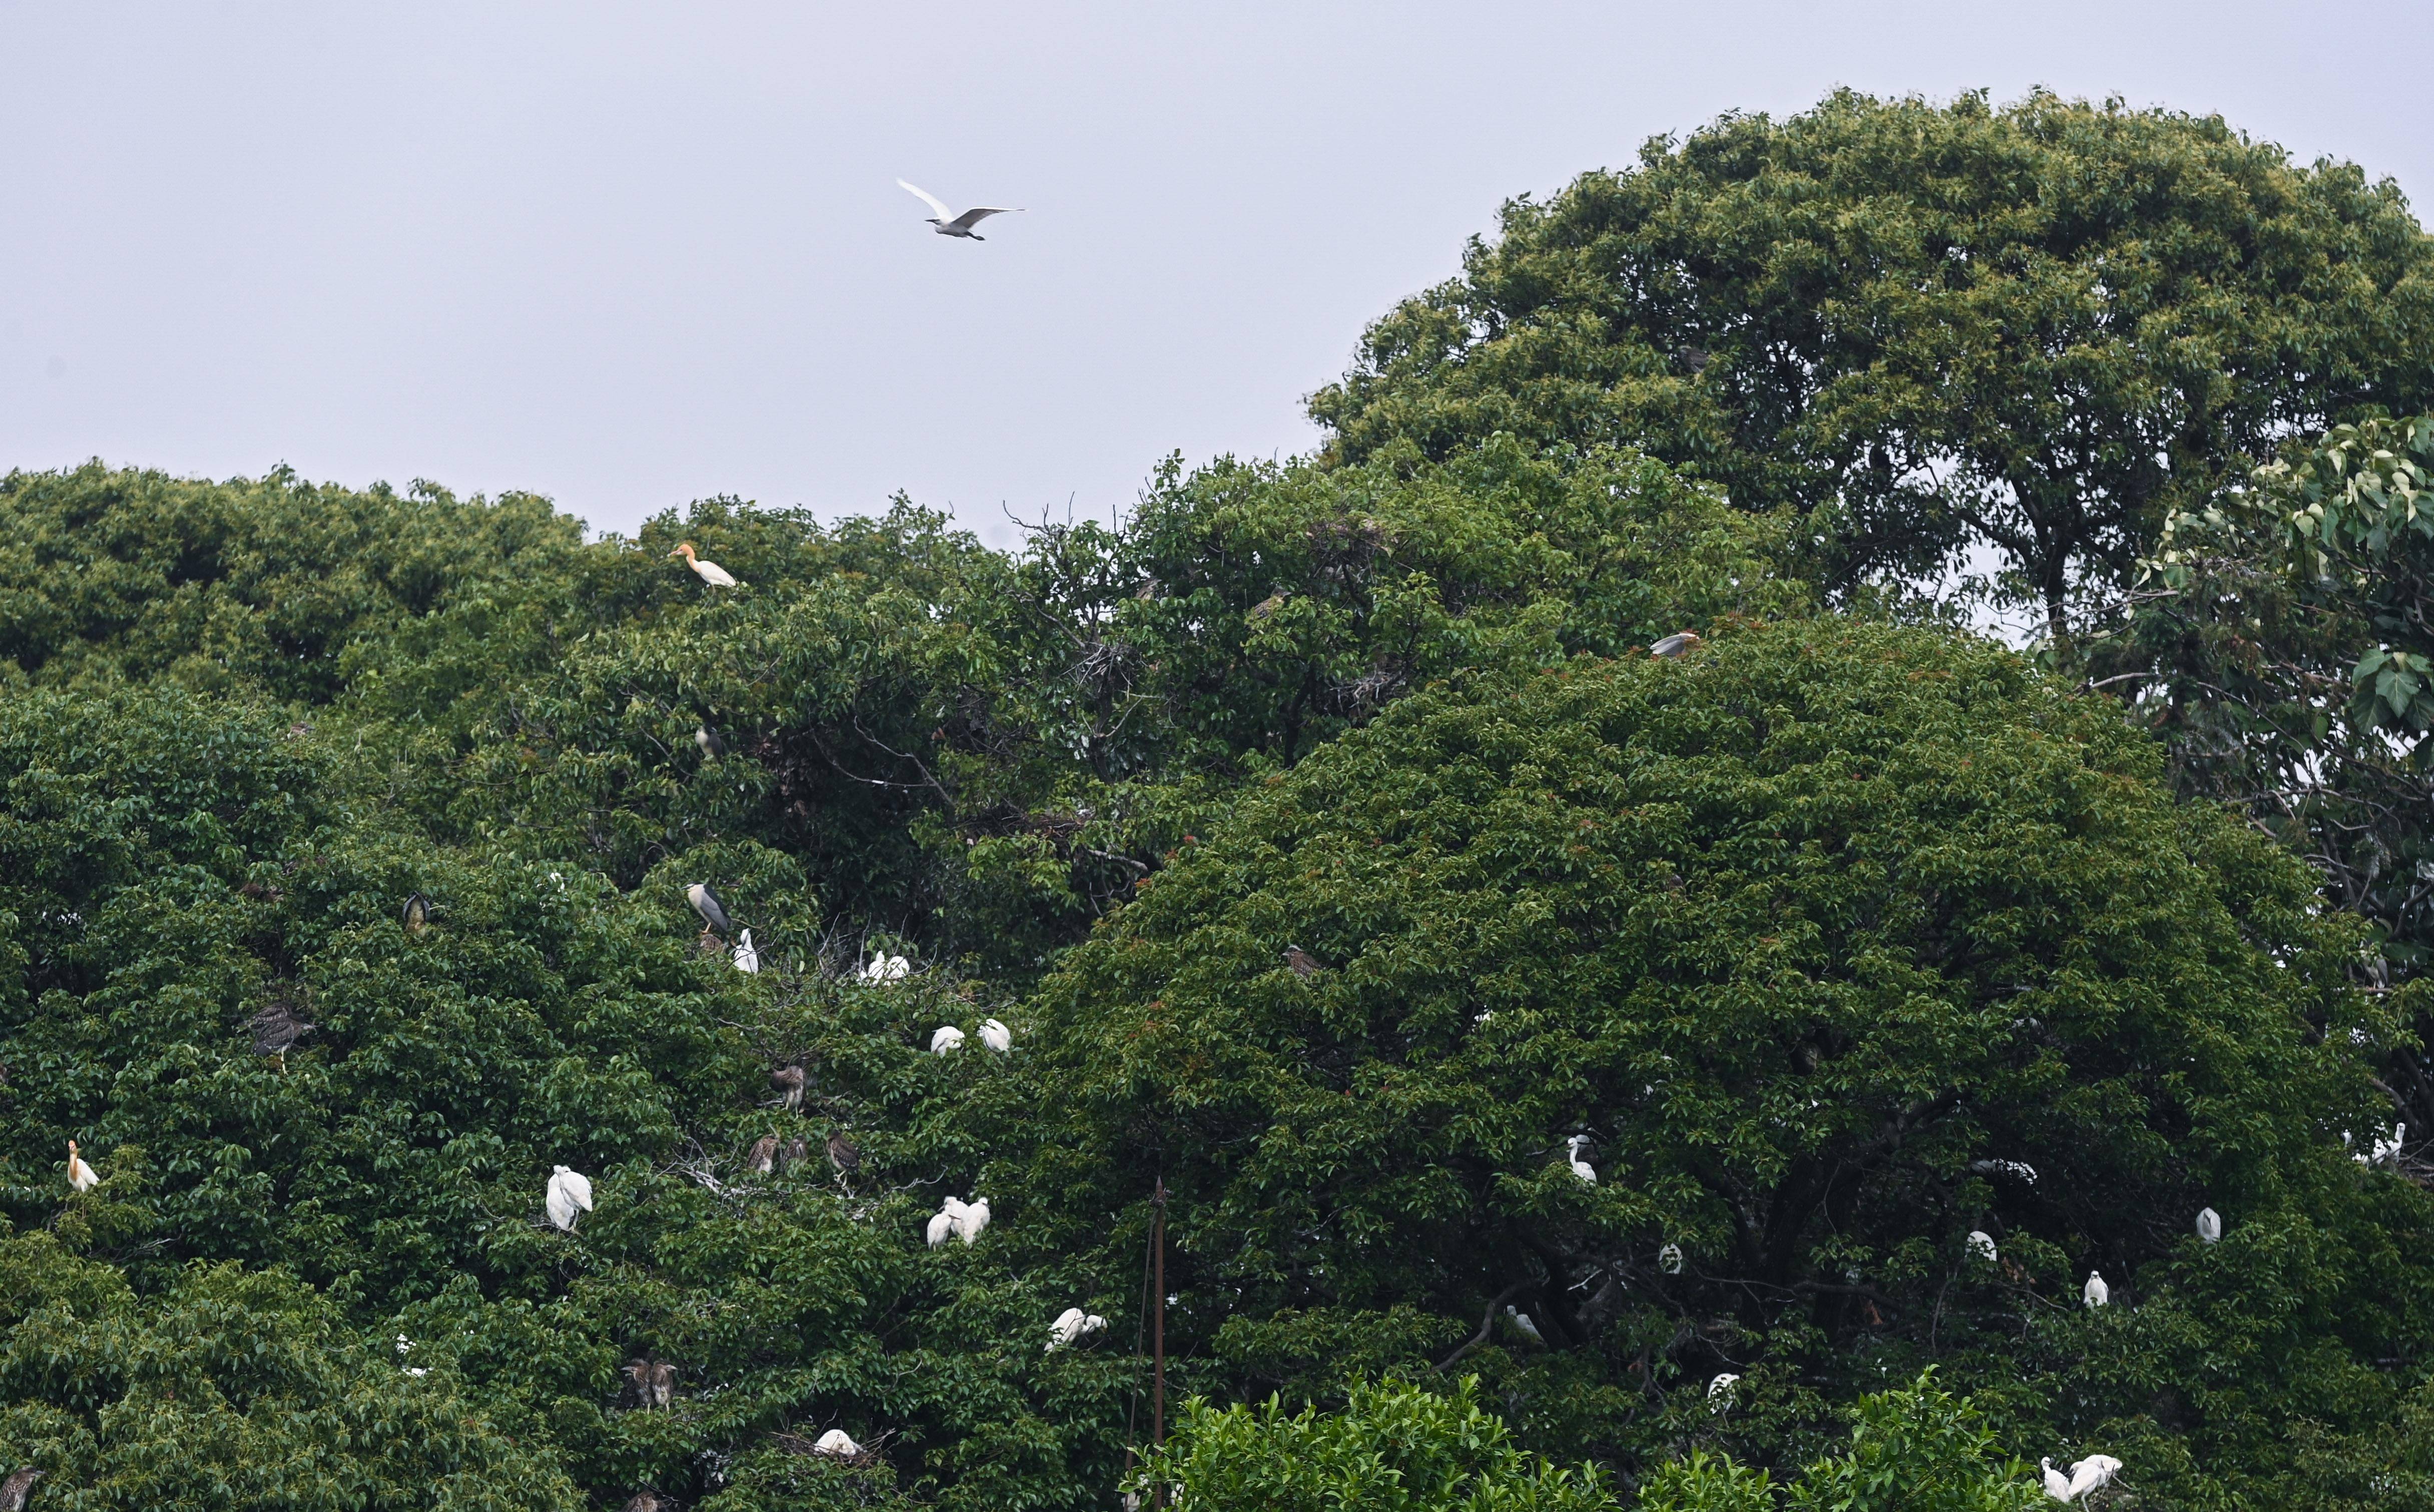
[746, 959]
[709, 572]
[838, 1442]
[1071, 1325]
[80, 1175]
[2096, 1294]
[996, 1035]
[947, 222]
[1579, 1168]
[2089, 1474]
[570, 1192]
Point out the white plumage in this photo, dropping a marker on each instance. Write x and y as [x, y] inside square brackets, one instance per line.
[947, 1037]
[2089, 1474]
[1579, 1168]
[80, 1175]
[1982, 1245]
[2209, 1224]
[709, 572]
[996, 1035]
[942, 1223]
[1521, 1320]
[975, 1218]
[948, 222]
[2096, 1294]
[885, 968]
[746, 959]
[1720, 1391]
[838, 1442]
[1071, 1325]
[570, 1192]
[1668, 1260]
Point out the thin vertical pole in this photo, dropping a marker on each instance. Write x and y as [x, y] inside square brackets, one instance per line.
[1158, 1331]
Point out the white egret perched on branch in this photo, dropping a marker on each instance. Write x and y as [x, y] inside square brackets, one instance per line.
[947, 222]
[948, 1037]
[944, 1223]
[748, 960]
[2096, 1294]
[1579, 1168]
[996, 1035]
[836, 1441]
[1982, 1245]
[709, 572]
[2209, 1224]
[2089, 1474]
[974, 1218]
[705, 902]
[1522, 1321]
[884, 969]
[570, 1192]
[1071, 1325]
[1720, 1392]
[80, 1175]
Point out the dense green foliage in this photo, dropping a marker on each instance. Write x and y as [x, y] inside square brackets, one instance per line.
[2037, 328]
[1336, 855]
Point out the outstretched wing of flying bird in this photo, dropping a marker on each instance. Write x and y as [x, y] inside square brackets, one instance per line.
[932, 200]
[975, 216]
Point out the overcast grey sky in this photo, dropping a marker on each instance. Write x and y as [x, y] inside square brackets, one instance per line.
[626, 256]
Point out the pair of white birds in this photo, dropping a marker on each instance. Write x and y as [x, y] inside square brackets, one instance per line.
[957, 1218]
[2089, 1474]
[1071, 1325]
[570, 1193]
[884, 969]
[993, 1034]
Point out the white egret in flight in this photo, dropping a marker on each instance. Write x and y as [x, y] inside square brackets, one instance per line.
[947, 222]
[748, 960]
[709, 572]
[570, 1192]
[1071, 1325]
[705, 902]
[996, 1035]
[2096, 1294]
[80, 1175]
[948, 1037]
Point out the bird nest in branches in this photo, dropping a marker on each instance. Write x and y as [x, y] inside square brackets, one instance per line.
[807, 1445]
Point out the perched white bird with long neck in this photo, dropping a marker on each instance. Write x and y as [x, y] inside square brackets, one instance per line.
[746, 959]
[948, 1037]
[570, 1193]
[709, 572]
[1521, 1320]
[974, 1218]
[1579, 1168]
[944, 1223]
[1071, 1325]
[996, 1035]
[80, 1175]
[2096, 1294]
[947, 222]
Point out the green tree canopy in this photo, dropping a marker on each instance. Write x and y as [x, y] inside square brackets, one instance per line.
[2036, 327]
